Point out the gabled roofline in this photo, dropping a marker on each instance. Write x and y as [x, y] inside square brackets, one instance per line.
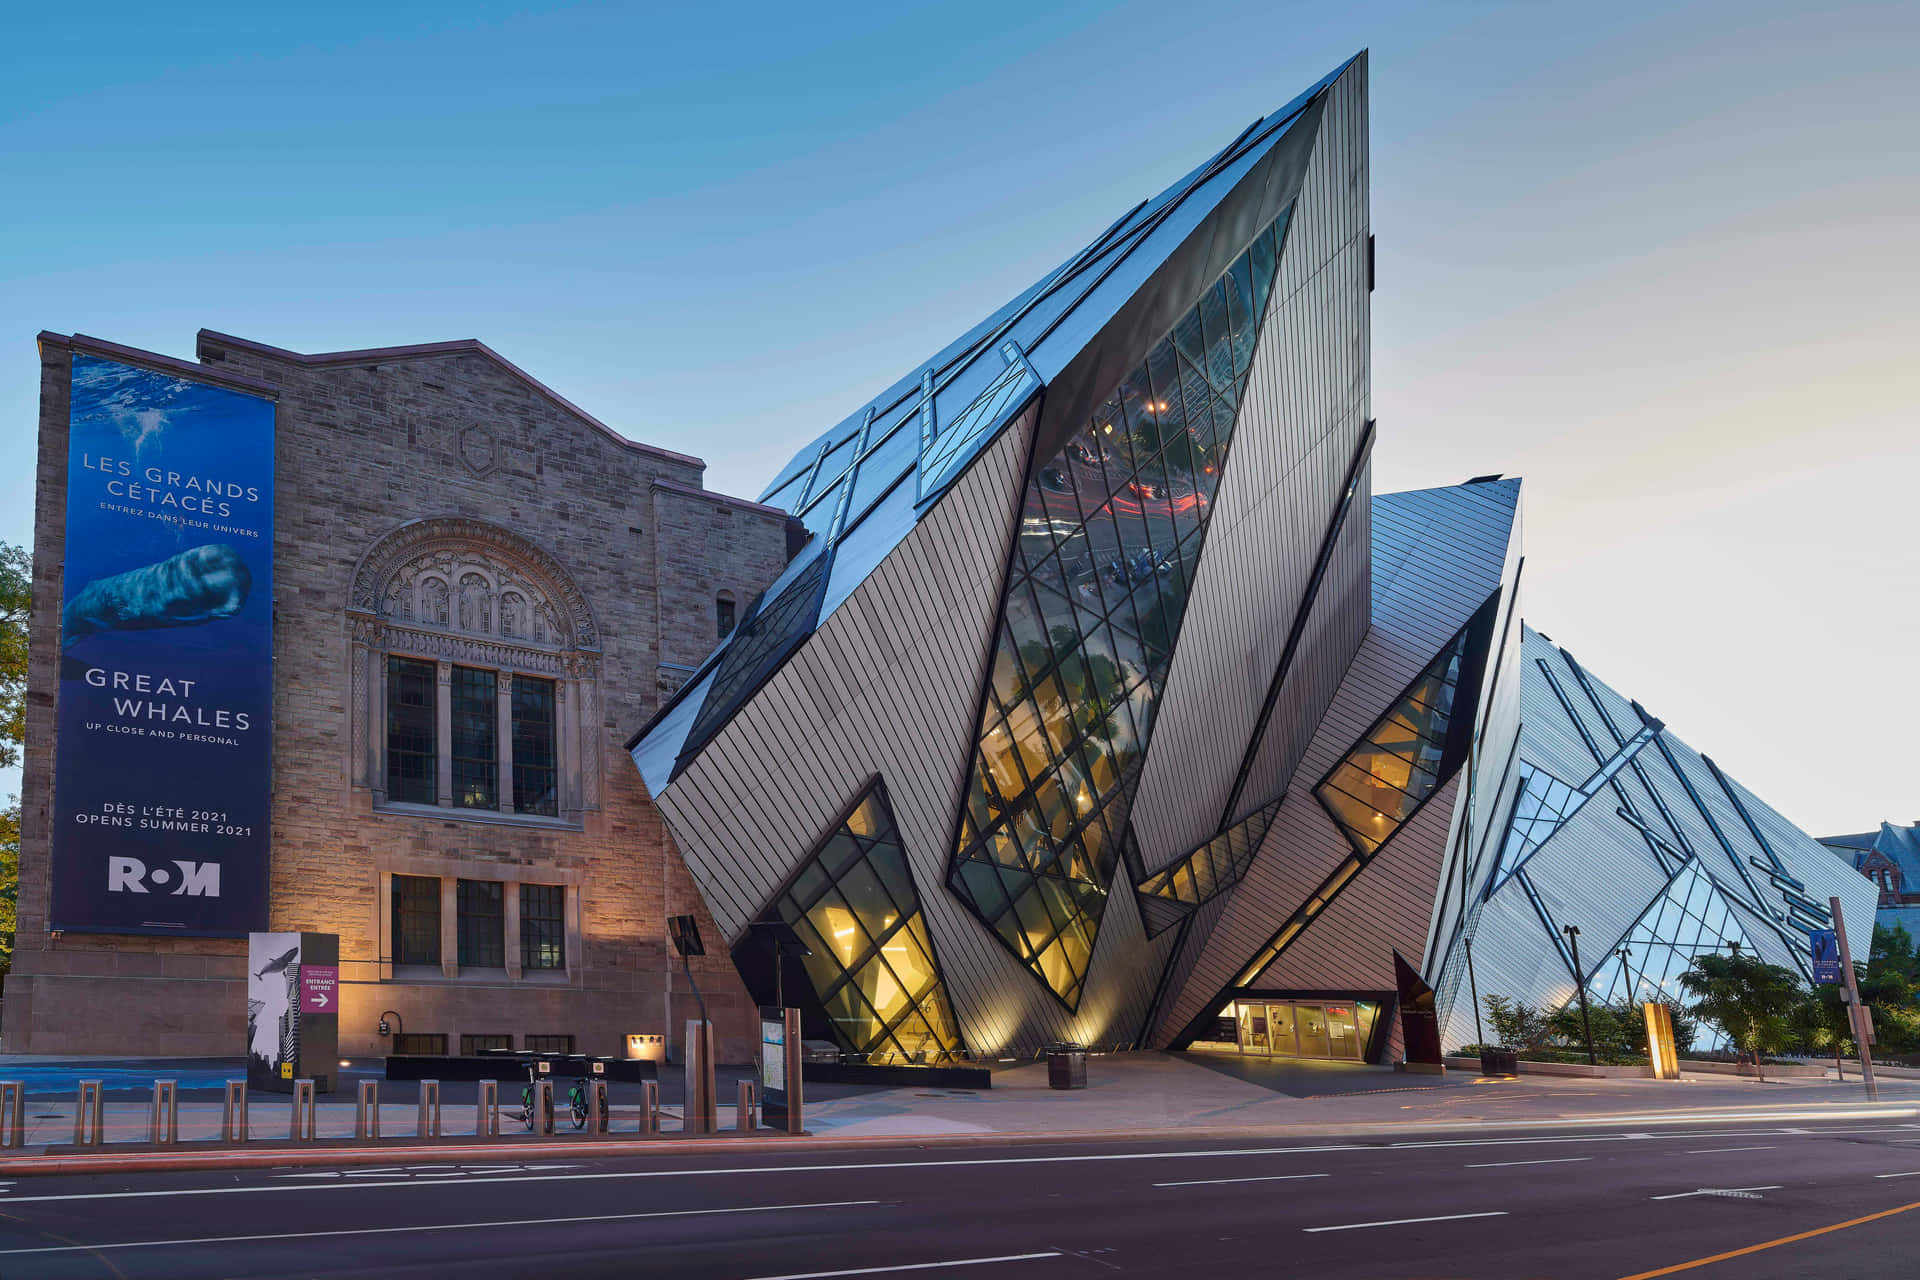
[154, 360]
[428, 350]
[724, 499]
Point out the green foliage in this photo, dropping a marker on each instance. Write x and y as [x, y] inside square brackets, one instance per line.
[9, 880]
[1749, 999]
[16, 589]
[1515, 1025]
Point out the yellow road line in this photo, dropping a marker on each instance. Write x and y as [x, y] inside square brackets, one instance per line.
[1770, 1244]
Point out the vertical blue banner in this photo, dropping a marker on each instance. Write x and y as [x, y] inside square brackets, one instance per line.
[1826, 957]
[163, 770]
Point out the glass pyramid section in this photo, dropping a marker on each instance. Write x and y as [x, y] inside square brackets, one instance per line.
[873, 969]
[1689, 918]
[1545, 804]
[1216, 866]
[1393, 769]
[1110, 537]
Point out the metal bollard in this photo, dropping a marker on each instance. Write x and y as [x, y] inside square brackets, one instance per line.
[486, 1110]
[91, 1105]
[543, 1105]
[302, 1129]
[599, 1113]
[233, 1121]
[649, 1108]
[13, 1113]
[163, 1120]
[429, 1110]
[366, 1111]
[743, 1107]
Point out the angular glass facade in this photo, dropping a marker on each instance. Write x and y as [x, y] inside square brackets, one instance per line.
[1110, 536]
[872, 966]
[1393, 770]
[1170, 895]
[761, 643]
[1545, 803]
[1690, 918]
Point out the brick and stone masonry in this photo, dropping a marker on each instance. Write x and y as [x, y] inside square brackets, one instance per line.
[398, 469]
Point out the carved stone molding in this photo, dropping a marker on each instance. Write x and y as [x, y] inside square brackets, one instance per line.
[473, 577]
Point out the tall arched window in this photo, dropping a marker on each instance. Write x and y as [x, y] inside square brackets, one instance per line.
[475, 677]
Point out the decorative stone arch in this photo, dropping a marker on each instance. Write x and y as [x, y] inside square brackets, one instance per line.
[459, 591]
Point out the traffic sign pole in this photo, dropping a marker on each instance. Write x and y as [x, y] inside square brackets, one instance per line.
[1857, 1014]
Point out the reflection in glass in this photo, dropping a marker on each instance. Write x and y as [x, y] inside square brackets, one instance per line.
[872, 968]
[1110, 534]
[1688, 919]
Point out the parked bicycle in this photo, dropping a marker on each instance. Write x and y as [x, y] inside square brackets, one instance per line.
[577, 1100]
[526, 1101]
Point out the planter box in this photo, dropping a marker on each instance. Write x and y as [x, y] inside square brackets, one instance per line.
[1779, 1071]
[1559, 1068]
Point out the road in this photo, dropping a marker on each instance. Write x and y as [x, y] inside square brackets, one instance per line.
[1592, 1204]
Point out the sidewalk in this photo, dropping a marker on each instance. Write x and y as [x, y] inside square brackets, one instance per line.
[1137, 1095]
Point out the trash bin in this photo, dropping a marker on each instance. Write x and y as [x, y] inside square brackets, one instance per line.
[1066, 1066]
[1499, 1062]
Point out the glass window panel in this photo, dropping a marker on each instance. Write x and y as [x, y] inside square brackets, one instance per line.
[535, 777]
[1218, 364]
[543, 926]
[481, 923]
[416, 920]
[1240, 314]
[476, 736]
[412, 732]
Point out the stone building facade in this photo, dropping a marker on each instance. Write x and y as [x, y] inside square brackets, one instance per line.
[446, 527]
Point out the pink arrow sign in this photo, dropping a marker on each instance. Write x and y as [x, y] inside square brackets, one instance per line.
[319, 988]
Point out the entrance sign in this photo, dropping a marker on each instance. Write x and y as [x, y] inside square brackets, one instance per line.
[163, 759]
[1826, 957]
[293, 1019]
[320, 988]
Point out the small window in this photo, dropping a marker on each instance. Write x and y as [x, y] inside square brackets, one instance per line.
[482, 924]
[549, 1044]
[470, 1045]
[543, 933]
[534, 774]
[476, 739]
[412, 741]
[416, 920]
[420, 1042]
[723, 614]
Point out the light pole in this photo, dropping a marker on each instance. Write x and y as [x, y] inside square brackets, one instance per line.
[1579, 984]
[1473, 988]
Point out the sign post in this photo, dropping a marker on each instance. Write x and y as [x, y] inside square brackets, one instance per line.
[780, 1067]
[293, 1010]
[1857, 1014]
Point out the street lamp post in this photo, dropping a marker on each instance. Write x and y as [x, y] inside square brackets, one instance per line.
[1579, 985]
[1473, 988]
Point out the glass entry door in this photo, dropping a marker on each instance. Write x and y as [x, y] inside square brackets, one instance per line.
[1311, 1021]
[1292, 1029]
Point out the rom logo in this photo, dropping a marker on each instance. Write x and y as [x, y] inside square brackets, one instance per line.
[194, 879]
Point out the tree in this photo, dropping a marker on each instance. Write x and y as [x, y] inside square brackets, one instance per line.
[16, 590]
[1820, 1021]
[1516, 1025]
[1749, 999]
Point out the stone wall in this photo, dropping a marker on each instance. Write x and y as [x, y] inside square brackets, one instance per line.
[367, 442]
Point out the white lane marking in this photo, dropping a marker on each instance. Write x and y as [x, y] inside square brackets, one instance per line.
[1709, 1151]
[1401, 1222]
[346, 1185]
[1914, 1173]
[1272, 1177]
[1713, 1191]
[690, 1173]
[443, 1226]
[914, 1266]
[1508, 1164]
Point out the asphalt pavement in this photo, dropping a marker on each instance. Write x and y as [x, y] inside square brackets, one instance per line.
[1594, 1204]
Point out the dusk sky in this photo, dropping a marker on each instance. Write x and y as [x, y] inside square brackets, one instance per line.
[1657, 259]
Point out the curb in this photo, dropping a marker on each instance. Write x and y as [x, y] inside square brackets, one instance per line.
[453, 1150]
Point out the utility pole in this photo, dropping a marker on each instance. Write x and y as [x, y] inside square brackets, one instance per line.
[1479, 1036]
[1579, 984]
[1858, 1015]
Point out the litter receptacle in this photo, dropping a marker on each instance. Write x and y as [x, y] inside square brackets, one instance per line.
[1499, 1062]
[1066, 1066]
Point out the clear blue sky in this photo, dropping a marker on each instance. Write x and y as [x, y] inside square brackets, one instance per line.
[1659, 259]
